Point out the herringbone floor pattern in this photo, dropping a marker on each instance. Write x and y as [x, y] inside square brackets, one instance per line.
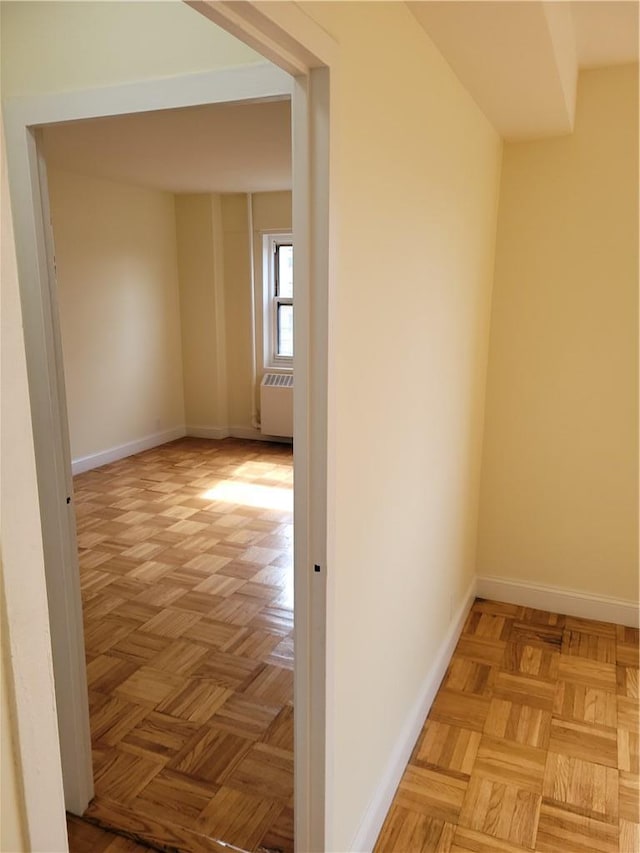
[531, 743]
[187, 585]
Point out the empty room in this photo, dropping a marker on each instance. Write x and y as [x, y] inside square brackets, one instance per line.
[462, 201]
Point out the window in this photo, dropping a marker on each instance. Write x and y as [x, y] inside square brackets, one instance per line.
[278, 315]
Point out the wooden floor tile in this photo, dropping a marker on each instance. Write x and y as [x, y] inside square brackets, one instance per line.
[582, 786]
[511, 763]
[591, 673]
[406, 830]
[188, 616]
[562, 830]
[265, 771]
[431, 792]
[123, 776]
[458, 709]
[242, 819]
[629, 837]
[585, 741]
[447, 747]
[585, 704]
[500, 810]
[212, 757]
[629, 750]
[629, 796]
[535, 728]
[470, 841]
[519, 723]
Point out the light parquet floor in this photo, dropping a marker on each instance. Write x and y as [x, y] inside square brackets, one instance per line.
[531, 744]
[187, 585]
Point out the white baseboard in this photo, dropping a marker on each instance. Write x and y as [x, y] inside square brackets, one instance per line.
[373, 819]
[95, 460]
[248, 433]
[216, 433]
[558, 600]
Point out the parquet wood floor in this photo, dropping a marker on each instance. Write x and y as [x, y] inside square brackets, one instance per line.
[187, 584]
[532, 742]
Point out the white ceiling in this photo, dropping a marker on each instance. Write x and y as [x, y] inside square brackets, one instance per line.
[520, 60]
[240, 147]
[606, 32]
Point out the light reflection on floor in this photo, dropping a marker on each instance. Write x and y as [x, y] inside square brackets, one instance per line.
[251, 494]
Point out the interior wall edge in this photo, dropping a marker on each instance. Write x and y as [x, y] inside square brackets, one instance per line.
[376, 812]
[569, 602]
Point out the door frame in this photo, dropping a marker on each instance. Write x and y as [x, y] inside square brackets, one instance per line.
[309, 92]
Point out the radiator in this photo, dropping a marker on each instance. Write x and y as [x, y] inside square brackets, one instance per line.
[276, 404]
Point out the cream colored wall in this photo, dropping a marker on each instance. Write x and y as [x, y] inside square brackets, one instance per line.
[237, 298]
[559, 501]
[50, 47]
[117, 274]
[197, 220]
[214, 257]
[414, 205]
[12, 830]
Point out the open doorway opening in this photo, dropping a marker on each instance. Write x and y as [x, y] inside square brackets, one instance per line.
[173, 255]
[304, 52]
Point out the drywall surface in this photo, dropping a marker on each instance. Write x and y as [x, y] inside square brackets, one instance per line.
[117, 275]
[50, 47]
[559, 501]
[216, 294]
[414, 200]
[199, 266]
[12, 829]
[237, 298]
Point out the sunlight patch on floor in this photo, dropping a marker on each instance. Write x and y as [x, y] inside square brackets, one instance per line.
[250, 494]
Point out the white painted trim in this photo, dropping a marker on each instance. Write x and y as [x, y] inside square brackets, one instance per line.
[103, 457]
[266, 27]
[558, 600]
[46, 381]
[248, 433]
[378, 808]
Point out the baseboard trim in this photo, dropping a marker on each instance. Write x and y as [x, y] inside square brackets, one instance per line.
[373, 819]
[215, 433]
[95, 460]
[247, 433]
[558, 600]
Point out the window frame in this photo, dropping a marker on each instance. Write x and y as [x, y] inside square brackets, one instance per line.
[272, 300]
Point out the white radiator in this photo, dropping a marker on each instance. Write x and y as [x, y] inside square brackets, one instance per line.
[276, 404]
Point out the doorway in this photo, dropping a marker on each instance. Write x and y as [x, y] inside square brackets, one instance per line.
[22, 120]
[185, 548]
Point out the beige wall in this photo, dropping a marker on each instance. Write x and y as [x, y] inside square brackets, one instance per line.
[237, 298]
[414, 210]
[214, 256]
[78, 45]
[119, 311]
[559, 499]
[12, 834]
[200, 274]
